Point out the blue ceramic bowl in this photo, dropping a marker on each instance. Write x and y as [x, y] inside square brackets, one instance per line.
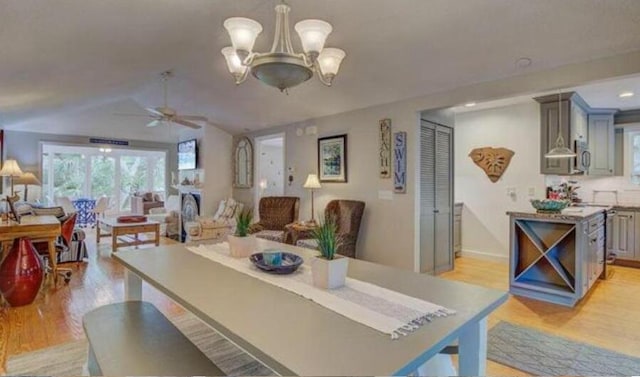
[289, 264]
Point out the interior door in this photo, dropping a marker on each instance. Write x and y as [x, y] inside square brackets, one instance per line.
[444, 200]
[436, 198]
[427, 196]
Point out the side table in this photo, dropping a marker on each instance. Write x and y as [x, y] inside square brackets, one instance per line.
[298, 231]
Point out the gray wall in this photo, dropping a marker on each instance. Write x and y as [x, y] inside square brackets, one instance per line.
[25, 147]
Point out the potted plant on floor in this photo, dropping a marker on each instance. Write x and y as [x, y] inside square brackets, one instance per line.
[242, 244]
[329, 270]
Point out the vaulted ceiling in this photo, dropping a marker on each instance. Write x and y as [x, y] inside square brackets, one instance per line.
[59, 57]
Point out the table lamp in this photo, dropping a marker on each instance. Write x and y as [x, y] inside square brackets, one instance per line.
[12, 170]
[312, 183]
[27, 179]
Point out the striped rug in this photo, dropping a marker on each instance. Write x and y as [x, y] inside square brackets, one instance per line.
[68, 359]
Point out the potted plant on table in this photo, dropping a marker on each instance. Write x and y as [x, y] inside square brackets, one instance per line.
[242, 244]
[329, 270]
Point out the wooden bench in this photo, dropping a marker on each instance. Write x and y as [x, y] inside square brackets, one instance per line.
[134, 339]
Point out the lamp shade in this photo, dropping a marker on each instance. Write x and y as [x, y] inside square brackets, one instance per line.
[313, 34]
[243, 32]
[330, 60]
[27, 178]
[10, 169]
[312, 182]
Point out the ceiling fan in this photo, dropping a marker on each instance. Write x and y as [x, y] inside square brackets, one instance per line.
[166, 114]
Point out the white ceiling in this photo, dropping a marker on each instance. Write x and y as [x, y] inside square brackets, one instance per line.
[61, 58]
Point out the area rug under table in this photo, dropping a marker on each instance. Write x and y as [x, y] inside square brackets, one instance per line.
[539, 353]
[68, 359]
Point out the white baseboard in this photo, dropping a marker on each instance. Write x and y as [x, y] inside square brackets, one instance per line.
[485, 256]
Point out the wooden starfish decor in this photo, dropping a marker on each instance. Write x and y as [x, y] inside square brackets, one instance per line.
[494, 161]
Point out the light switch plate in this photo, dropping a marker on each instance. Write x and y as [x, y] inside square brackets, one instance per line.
[385, 195]
[532, 191]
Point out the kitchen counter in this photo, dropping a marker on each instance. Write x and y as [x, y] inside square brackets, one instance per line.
[567, 214]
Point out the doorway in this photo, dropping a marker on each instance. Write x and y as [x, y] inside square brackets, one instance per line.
[270, 177]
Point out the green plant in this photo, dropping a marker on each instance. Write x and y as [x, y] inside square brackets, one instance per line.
[243, 223]
[326, 234]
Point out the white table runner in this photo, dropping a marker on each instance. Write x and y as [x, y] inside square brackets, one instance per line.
[382, 309]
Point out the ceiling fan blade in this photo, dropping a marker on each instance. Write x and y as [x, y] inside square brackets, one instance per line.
[186, 123]
[197, 118]
[154, 123]
[135, 115]
[154, 111]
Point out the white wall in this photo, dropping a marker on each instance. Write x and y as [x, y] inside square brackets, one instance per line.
[214, 159]
[271, 168]
[484, 222]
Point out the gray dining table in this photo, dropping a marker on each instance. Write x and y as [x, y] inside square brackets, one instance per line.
[295, 336]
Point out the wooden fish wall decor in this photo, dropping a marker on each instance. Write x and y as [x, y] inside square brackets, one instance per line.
[494, 161]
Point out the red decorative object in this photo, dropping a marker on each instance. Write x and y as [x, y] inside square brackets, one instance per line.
[21, 273]
[132, 219]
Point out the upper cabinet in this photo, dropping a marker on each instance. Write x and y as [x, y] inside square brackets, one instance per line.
[602, 143]
[587, 131]
[573, 126]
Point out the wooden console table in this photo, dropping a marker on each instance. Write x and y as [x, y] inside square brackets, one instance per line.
[127, 234]
[298, 231]
[36, 228]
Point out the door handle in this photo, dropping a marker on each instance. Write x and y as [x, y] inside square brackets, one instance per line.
[436, 211]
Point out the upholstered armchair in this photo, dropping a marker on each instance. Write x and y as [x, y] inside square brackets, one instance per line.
[168, 216]
[348, 216]
[141, 204]
[214, 228]
[275, 212]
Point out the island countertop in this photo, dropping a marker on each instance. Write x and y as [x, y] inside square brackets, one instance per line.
[570, 213]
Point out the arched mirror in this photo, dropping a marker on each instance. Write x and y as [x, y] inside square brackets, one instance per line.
[243, 159]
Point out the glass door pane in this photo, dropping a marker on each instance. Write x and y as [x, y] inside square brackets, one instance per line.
[69, 173]
[159, 170]
[133, 178]
[103, 176]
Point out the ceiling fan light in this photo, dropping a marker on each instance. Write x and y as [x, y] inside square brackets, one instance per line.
[313, 34]
[330, 60]
[243, 32]
[233, 61]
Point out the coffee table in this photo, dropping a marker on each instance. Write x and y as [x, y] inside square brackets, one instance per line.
[127, 234]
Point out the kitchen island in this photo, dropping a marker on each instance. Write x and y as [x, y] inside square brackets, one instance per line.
[556, 257]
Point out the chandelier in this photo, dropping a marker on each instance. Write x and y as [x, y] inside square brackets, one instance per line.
[282, 67]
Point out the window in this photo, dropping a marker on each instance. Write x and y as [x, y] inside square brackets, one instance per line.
[87, 172]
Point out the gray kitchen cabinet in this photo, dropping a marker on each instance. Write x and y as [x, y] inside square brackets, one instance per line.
[624, 235]
[602, 143]
[573, 126]
[457, 229]
[594, 259]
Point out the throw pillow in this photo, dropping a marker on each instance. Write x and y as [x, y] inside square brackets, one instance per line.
[230, 209]
[221, 207]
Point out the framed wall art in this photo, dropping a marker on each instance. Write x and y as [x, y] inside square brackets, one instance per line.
[400, 162]
[385, 148]
[332, 158]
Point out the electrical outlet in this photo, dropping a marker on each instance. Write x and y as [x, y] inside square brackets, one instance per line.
[511, 191]
[532, 191]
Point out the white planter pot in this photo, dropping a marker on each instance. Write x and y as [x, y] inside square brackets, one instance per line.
[241, 247]
[329, 274]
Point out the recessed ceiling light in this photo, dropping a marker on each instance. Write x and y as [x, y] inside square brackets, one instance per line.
[523, 62]
[626, 94]
[469, 104]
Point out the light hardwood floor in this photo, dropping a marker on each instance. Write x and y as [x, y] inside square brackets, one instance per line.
[608, 317]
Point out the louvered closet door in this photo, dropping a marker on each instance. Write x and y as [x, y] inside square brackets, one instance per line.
[427, 196]
[436, 190]
[443, 212]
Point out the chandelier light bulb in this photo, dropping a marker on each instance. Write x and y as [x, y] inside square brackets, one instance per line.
[243, 32]
[313, 34]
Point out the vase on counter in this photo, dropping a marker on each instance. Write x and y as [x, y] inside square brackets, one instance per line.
[21, 273]
[241, 247]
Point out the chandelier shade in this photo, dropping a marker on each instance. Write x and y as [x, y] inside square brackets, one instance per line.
[243, 32]
[282, 67]
[313, 34]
